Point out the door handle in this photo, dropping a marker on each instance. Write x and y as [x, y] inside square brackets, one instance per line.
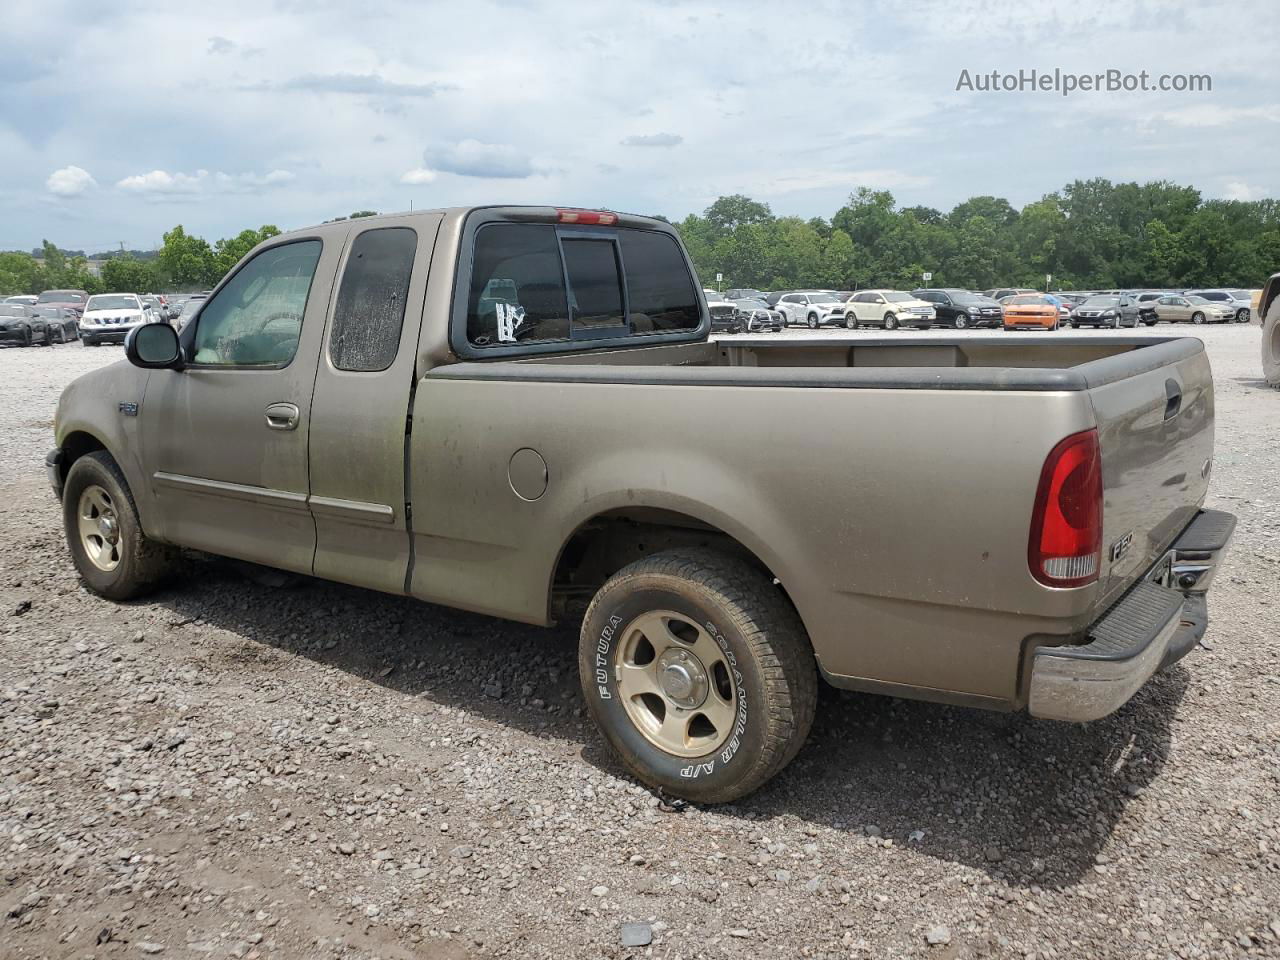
[282, 416]
[1172, 399]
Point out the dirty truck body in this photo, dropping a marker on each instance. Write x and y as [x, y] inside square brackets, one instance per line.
[517, 411]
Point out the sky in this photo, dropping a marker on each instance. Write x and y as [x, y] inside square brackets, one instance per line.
[119, 121]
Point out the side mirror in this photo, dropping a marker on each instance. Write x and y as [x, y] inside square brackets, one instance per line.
[154, 346]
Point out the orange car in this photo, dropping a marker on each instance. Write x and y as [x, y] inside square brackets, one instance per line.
[1028, 310]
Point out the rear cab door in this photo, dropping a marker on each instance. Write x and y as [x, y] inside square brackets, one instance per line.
[363, 388]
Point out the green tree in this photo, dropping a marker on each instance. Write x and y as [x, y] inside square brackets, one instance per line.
[228, 252]
[127, 275]
[187, 261]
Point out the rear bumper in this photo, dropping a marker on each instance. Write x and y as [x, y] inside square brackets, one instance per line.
[1153, 626]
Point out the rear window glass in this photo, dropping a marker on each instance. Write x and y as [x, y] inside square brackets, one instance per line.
[660, 292]
[624, 282]
[371, 300]
[595, 286]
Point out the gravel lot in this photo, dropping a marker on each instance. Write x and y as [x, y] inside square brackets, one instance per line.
[234, 770]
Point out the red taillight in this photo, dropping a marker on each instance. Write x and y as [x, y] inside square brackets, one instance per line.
[588, 216]
[1066, 526]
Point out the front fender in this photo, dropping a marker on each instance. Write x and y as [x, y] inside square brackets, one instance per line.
[103, 405]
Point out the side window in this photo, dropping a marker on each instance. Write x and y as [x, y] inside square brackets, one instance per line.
[371, 300]
[595, 283]
[517, 286]
[660, 293]
[256, 319]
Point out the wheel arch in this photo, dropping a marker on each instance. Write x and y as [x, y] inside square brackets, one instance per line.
[600, 544]
[1270, 290]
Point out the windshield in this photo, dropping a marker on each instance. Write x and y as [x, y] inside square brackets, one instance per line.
[1197, 299]
[897, 296]
[60, 296]
[970, 298]
[110, 302]
[1026, 301]
[750, 303]
[823, 298]
[1101, 302]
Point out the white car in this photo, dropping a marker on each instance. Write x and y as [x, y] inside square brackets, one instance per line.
[889, 309]
[108, 317]
[815, 308]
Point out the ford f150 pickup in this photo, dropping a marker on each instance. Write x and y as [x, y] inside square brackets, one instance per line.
[518, 411]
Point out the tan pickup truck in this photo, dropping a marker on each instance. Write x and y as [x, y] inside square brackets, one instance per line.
[518, 411]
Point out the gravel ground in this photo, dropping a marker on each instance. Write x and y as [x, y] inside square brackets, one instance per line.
[233, 770]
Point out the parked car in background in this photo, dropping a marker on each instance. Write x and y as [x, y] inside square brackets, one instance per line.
[62, 323]
[754, 315]
[814, 308]
[1176, 308]
[19, 324]
[961, 308]
[158, 310]
[1146, 301]
[1031, 311]
[74, 299]
[1106, 310]
[889, 309]
[1240, 301]
[189, 308]
[108, 318]
[1001, 292]
[25, 299]
[744, 293]
[724, 315]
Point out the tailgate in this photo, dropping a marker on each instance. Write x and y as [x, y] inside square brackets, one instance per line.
[1154, 407]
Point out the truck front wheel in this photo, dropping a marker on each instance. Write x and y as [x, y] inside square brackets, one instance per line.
[698, 672]
[114, 557]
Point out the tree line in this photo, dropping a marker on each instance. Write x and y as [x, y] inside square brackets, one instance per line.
[184, 262]
[1092, 234]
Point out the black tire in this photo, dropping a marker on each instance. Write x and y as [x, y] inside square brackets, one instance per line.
[850, 320]
[813, 321]
[62, 335]
[1197, 317]
[143, 563]
[1150, 323]
[761, 636]
[1242, 315]
[961, 321]
[890, 322]
[26, 337]
[1075, 326]
[1271, 345]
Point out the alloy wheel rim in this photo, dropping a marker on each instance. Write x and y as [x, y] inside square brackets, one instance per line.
[676, 684]
[99, 528]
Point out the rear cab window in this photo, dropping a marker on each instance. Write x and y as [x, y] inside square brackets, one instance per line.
[543, 287]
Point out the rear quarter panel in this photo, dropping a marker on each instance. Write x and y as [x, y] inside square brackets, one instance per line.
[896, 520]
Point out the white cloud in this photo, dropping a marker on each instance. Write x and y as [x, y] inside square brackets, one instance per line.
[69, 182]
[163, 183]
[1239, 190]
[1203, 115]
[471, 158]
[418, 176]
[653, 140]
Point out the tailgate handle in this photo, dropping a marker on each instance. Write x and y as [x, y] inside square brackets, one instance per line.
[1172, 399]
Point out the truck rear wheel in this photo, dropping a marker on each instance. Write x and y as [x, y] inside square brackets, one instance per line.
[114, 557]
[699, 674]
[1271, 344]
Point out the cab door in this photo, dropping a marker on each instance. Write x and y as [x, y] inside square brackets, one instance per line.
[224, 440]
[364, 380]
